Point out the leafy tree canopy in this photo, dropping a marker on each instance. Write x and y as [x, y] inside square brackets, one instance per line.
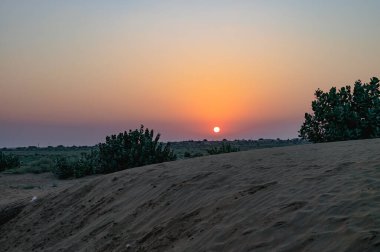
[344, 114]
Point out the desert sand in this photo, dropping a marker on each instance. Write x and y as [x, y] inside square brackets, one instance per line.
[27, 186]
[315, 197]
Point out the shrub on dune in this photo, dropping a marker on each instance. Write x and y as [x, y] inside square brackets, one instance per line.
[131, 149]
[126, 150]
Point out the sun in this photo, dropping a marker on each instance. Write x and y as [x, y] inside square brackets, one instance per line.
[216, 129]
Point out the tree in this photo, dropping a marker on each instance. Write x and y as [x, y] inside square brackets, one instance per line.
[344, 114]
[131, 149]
[8, 161]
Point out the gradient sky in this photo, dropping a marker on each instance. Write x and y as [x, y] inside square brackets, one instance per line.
[72, 72]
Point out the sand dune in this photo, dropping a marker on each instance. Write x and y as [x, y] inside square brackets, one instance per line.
[317, 197]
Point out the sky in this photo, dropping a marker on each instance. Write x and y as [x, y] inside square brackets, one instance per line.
[73, 72]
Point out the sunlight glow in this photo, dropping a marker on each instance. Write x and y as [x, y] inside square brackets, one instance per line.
[216, 129]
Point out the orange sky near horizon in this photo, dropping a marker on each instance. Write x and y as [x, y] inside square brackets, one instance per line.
[250, 67]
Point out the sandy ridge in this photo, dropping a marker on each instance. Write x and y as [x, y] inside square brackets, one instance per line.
[320, 197]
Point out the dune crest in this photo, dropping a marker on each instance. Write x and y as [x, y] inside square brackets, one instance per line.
[320, 197]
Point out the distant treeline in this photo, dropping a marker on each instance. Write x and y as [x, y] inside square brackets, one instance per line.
[125, 150]
[260, 141]
[191, 148]
[48, 148]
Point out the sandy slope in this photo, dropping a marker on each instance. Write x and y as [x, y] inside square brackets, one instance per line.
[320, 197]
[26, 186]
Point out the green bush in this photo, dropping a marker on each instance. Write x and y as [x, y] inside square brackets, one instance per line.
[187, 154]
[192, 155]
[131, 149]
[343, 114]
[65, 168]
[40, 166]
[81, 169]
[8, 161]
[125, 150]
[225, 148]
[86, 165]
